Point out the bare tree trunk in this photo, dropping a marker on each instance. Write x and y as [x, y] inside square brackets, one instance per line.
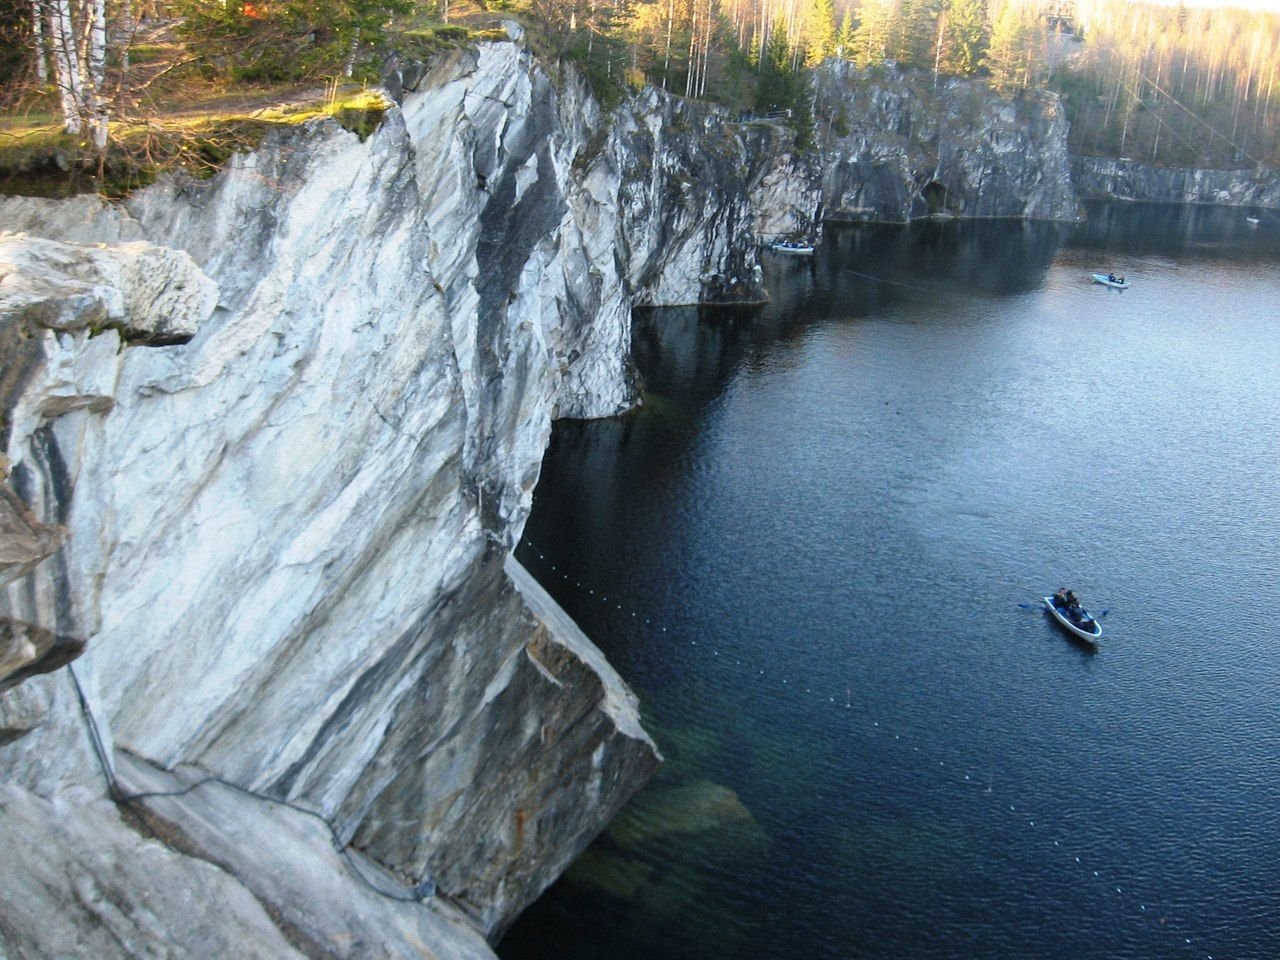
[350, 66]
[937, 52]
[37, 32]
[126, 32]
[666, 57]
[66, 65]
[693, 50]
[97, 74]
[706, 50]
[1155, 146]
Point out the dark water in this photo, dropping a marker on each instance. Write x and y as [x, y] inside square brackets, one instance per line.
[816, 541]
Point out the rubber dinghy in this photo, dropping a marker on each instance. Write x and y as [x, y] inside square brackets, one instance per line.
[795, 247]
[1119, 283]
[1079, 624]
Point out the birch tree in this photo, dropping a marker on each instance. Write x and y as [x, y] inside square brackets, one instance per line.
[37, 34]
[78, 42]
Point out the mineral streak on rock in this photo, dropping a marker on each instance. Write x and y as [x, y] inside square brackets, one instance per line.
[269, 440]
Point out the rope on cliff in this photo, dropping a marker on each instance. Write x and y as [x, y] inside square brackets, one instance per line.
[95, 739]
[425, 890]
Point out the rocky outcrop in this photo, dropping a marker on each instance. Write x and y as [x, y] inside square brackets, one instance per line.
[1111, 178]
[286, 536]
[897, 147]
[269, 442]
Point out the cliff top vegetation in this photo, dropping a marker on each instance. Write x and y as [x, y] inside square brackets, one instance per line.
[105, 92]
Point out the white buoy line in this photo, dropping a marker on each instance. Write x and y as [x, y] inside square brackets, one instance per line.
[1105, 881]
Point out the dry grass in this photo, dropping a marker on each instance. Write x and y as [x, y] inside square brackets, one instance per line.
[170, 110]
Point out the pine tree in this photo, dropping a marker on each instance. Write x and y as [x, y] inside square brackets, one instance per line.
[964, 37]
[871, 39]
[821, 32]
[1006, 58]
[844, 39]
[778, 86]
[912, 33]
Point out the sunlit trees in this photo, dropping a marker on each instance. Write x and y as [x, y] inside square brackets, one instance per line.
[1175, 85]
[1170, 84]
[821, 32]
[871, 38]
[1008, 58]
[76, 35]
[963, 36]
[287, 39]
[844, 37]
[912, 32]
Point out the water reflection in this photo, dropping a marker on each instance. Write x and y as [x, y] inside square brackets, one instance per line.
[830, 507]
[1153, 229]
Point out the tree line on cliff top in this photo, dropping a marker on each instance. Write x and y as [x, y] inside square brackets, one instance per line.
[1165, 84]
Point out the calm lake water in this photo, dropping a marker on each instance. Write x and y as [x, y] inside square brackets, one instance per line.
[820, 540]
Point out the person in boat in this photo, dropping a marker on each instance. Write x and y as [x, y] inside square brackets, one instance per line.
[1111, 277]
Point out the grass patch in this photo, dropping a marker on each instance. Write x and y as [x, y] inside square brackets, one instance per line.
[38, 159]
[183, 106]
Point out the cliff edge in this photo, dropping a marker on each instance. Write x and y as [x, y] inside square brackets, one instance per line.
[271, 683]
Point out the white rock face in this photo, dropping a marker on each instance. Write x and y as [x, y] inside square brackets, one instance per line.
[286, 536]
[286, 425]
[152, 294]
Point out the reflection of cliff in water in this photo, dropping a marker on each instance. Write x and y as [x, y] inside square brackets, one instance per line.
[692, 352]
[864, 268]
[858, 271]
[1169, 229]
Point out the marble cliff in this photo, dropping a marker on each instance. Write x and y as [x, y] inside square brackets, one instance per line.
[1123, 179]
[271, 683]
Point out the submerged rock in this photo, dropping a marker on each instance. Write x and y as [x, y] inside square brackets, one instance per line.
[700, 806]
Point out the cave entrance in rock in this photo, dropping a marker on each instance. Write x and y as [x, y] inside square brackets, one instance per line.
[935, 197]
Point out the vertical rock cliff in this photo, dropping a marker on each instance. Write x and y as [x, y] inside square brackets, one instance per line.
[270, 681]
[287, 426]
[899, 146]
[1112, 178]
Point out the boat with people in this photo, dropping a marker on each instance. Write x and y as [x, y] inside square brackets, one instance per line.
[1073, 618]
[798, 247]
[1110, 280]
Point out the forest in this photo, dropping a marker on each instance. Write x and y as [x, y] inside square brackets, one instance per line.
[1163, 83]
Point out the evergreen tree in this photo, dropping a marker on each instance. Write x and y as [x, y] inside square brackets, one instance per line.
[821, 32]
[963, 39]
[1007, 60]
[844, 39]
[912, 33]
[871, 39]
[778, 87]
